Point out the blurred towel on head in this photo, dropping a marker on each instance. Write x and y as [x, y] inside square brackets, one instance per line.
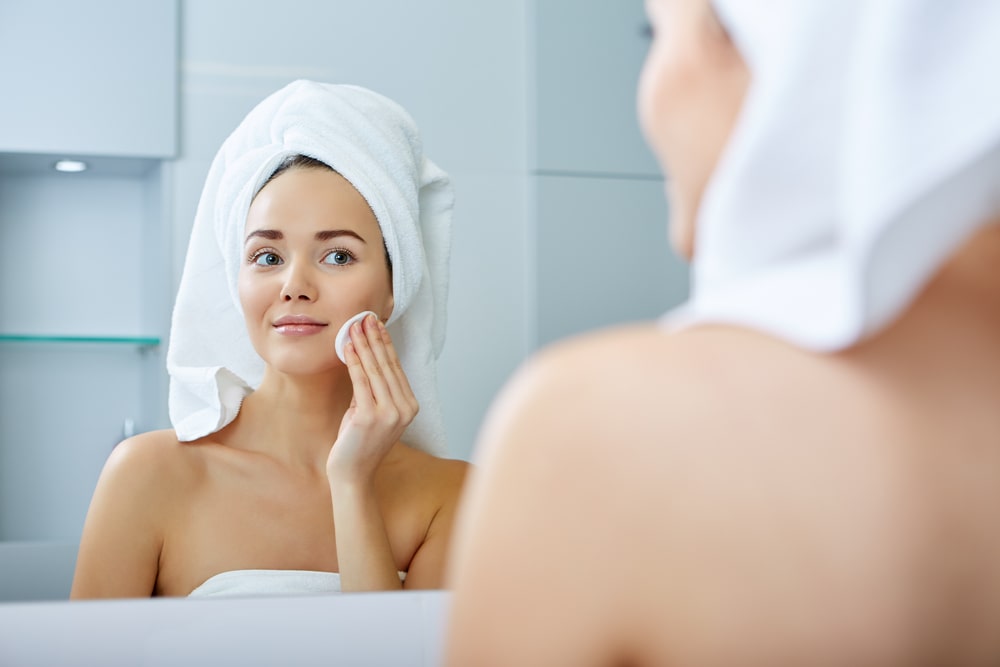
[867, 150]
[373, 143]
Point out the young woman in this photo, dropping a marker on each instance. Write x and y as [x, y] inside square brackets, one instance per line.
[289, 470]
[802, 465]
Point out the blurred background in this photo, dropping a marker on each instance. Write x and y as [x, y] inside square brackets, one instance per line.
[112, 111]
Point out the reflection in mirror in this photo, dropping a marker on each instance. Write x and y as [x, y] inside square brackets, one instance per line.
[286, 471]
[522, 266]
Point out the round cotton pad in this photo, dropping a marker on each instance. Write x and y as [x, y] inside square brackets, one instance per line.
[344, 334]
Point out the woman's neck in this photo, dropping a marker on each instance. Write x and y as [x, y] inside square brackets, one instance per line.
[977, 262]
[295, 419]
[970, 279]
[956, 311]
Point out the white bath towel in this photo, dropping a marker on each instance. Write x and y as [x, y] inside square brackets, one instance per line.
[373, 143]
[866, 151]
[254, 583]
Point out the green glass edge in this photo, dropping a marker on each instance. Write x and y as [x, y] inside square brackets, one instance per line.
[114, 340]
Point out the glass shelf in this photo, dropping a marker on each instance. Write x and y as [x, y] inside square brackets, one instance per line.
[143, 341]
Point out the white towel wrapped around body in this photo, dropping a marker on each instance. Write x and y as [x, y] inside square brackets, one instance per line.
[257, 583]
[373, 143]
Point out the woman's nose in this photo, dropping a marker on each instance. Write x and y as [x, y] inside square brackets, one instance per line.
[298, 286]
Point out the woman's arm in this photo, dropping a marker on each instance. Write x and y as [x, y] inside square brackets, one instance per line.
[364, 553]
[427, 567]
[382, 407]
[120, 546]
[359, 518]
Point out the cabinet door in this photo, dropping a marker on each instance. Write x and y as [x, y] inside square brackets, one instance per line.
[88, 78]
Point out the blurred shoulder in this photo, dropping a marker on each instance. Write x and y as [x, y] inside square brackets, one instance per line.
[694, 453]
[646, 351]
[638, 359]
[646, 373]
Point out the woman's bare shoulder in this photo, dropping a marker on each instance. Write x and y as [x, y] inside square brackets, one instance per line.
[684, 422]
[154, 462]
[146, 480]
[151, 448]
[651, 349]
[644, 376]
[693, 453]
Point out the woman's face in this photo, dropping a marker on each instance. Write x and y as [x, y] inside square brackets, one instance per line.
[690, 92]
[313, 256]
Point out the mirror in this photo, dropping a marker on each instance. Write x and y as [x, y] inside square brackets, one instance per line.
[559, 224]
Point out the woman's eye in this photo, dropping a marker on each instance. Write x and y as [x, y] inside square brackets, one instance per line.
[267, 259]
[339, 257]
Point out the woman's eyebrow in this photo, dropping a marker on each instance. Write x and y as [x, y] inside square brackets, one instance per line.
[333, 233]
[326, 235]
[269, 234]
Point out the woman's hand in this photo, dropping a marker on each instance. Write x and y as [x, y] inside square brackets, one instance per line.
[382, 407]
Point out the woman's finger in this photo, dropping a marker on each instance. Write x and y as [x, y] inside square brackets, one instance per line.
[375, 374]
[394, 368]
[363, 396]
[381, 344]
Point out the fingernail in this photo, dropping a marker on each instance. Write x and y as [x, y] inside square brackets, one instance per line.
[371, 320]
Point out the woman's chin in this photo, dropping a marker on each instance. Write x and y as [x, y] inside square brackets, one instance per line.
[305, 367]
[682, 237]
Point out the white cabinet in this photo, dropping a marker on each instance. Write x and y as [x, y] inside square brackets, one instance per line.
[88, 78]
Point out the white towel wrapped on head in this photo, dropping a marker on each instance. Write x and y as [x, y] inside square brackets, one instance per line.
[867, 150]
[373, 143]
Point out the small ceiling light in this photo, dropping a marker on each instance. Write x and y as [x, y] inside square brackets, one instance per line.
[72, 166]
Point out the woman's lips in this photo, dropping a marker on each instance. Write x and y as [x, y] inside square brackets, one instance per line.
[297, 325]
[299, 329]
